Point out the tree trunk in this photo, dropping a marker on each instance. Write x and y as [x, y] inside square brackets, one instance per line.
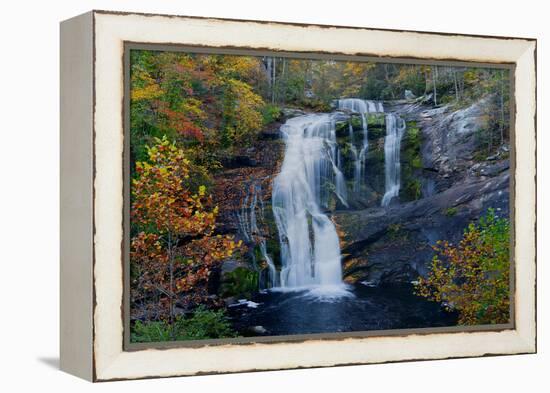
[501, 125]
[387, 75]
[426, 81]
[282, 80]
[456, 85]
[268, 61]
[434, 81]
[273, 80]
[171, 282]
[268, 74]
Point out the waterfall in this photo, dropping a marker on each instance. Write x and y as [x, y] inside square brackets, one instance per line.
[362, 107]
[395, 128]
[251, 233]
[310, 249]
[363, 153]
[356, 162]
[309, 178]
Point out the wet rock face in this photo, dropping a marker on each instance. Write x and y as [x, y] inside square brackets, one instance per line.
[444, 149]
[259, 163]
[444, 187]
[371, 189]
[292, 112]
[395, 244]
[450, 138]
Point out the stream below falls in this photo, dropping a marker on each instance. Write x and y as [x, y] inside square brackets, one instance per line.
[278, 312]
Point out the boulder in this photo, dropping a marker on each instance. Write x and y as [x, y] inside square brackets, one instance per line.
[409, 95]
[258, 330]
[230, 265]
[292, 112]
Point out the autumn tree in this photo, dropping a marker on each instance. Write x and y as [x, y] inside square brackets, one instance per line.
[473, 277]
[206, 103]
[242, 119]
[175, 248]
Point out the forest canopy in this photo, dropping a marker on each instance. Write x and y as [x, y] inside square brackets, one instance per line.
[217, 104]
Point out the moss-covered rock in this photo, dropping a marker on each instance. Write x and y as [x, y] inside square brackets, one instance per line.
[376, 125]
[239, 282]
[374, 168]
[342, 129]
[411, 163]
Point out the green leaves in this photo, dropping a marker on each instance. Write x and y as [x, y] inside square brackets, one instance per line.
[240, 282]
[204, 324]
[201, 324]
[270, 113]
[473, 278]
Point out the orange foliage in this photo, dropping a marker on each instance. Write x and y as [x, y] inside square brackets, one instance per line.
[176, 250]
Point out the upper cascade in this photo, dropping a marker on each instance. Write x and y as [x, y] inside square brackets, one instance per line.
[360, 106]
[363, 107]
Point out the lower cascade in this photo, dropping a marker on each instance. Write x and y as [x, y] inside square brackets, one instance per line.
[310, 249]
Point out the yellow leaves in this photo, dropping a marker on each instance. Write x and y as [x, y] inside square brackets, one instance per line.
[143, 165]
[186, 62]
[408, 72]
[146, 93]
[471, 76]
[239, 66]
[356, 69]
[192, 108]
[160, 197]
[247, 105]
[244, 93]
[143, 86]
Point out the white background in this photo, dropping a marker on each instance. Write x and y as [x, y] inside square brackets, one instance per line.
[29, 204]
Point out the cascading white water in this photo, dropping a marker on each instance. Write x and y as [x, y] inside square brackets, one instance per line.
[310, 250]
[362, 107]
[395, 128]
[356, 162]
[309, 176]
[359, 105]
[363, 153]
[251, 233]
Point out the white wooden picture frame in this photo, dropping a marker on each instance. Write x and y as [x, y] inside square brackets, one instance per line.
[92, 184]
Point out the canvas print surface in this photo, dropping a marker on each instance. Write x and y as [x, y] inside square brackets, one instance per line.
[277, 196]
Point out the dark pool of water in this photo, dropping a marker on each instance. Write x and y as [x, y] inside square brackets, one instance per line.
[367, 308]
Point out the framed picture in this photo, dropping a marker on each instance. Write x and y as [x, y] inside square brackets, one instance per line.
[245, 195]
